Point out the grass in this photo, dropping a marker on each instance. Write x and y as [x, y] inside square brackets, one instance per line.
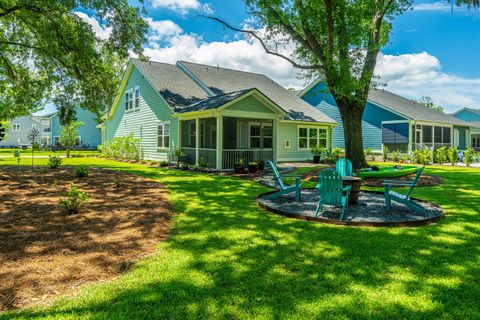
[28, 152]
[227, 258]
[390, 172]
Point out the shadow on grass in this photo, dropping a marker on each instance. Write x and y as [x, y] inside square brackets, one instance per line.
[230, 259]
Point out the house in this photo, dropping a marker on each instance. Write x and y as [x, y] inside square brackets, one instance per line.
[216, 114]
[393, 121]
[471, 116]
[49, 128]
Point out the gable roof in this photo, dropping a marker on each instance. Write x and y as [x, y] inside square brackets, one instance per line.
[214, 102]
[222, 80]
[411, 109]
[176, 87]
[476, 111]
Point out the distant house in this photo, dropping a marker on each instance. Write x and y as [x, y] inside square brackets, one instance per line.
[471, 116]
[217, 114]
[49, 128]
[394, 121]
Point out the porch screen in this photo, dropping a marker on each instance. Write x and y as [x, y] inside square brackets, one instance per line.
[393, 133]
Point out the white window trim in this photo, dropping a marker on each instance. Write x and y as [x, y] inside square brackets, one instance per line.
[135, 98]
[163, 123]
[262, 125]
[16, 125]
[129, 93]
[327, 138]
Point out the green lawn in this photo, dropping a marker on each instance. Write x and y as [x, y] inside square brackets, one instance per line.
[28, 153]
[227, 258]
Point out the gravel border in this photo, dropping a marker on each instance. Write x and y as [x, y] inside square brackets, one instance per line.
[370, 211]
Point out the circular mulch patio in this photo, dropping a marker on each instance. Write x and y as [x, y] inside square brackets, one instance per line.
[369, 211]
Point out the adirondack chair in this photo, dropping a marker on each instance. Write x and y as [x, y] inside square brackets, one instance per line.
[332, 192]
[344, 167]
[402, 198]
[284, 188]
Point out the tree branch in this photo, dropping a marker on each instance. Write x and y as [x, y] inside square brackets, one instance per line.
[265, 47]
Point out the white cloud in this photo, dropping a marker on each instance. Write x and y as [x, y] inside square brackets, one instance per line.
[101, 32]
[434, 6]
[159, 30]
[182, 6]
[420, 74]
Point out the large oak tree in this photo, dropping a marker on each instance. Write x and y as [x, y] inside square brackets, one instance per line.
[49, 53]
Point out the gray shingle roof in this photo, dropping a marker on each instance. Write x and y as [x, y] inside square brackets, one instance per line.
[222, 80]
[215, 101]
[411, 109]
[177, 88]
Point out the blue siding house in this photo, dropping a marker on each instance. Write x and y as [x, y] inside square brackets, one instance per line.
[471, 116]
[49, 127]
[391, 120]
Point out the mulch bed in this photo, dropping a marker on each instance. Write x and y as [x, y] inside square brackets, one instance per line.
[45, 253]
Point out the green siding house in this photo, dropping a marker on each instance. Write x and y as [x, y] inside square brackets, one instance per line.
[472, 116]
[215, 114]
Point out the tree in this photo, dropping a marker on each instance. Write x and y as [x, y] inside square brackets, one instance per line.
[49, 53]
[69, 135]
[428, 102]
[337, 40]
[32, 136]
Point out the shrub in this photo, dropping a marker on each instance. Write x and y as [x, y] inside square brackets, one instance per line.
[469, 156]
[81, 171]
[369, 153]
[54, 162]
[441, 155]
[36, 146]
[185, 166]
[122, 148]
[453, 155]
[396, 156]
[337, 153]
[163, 163]
[385, 153]
[75, 201]
[202, 164]
[423, 156]
[117, 183]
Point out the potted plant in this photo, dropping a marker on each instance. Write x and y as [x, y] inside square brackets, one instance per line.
[316, 152]
[238, 166]
[252, 167]
[261, 165]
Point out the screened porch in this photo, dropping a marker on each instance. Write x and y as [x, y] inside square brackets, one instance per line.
[239, 138]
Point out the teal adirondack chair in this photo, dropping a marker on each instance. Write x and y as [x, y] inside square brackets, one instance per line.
[332, 192]
[344, 167]
[284, 188]
[403, 198]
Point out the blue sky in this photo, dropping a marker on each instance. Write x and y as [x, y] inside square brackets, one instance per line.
[432, 50]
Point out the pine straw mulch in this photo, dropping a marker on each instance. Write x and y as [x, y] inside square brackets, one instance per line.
[45, 253]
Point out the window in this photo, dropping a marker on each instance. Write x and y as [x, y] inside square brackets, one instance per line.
[476, 142]
[261, 135]
[128, 100]
[427, 134]
[310, 137]
[163, 135]
[447, 135]
[16, 127]
[137, 97]
[395, 133]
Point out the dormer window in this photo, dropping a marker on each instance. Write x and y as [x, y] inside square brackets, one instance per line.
[129, 100]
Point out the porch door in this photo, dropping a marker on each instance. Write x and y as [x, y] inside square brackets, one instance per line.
[456, 138]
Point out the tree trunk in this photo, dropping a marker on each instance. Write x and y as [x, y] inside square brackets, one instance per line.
[352, 114]
[67, 152]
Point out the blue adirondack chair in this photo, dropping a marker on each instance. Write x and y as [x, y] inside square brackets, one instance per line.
[332, 192]
[284, 188]
[344, 167]
[402, 198]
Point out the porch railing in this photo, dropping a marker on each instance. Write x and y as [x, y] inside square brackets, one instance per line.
[230, 156]
[208, 155]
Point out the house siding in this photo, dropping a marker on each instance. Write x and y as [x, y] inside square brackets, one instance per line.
[16, 138]
[467, 115]
[142, 122]
[288, 131]
[462, 134]
[90, 135]
[373, 117]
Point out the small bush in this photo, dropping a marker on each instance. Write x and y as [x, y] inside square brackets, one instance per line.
[423, 156]
[385, 153]
[202, 164]
[453, 155]
[153, 163]
[75, 201]
[117, 183]
[36, 146]
[337, 153]
[163, 163]
[54, 162]
[81, 171]
[369, 153]
[185, 166]
[143, 161]
[469, 156]
[441, 155]
[396, 156]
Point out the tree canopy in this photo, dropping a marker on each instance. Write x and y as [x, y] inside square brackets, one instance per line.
[49, 53]
[428, 102]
